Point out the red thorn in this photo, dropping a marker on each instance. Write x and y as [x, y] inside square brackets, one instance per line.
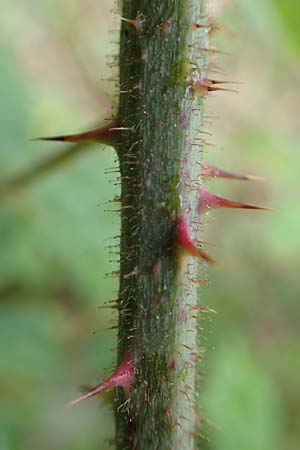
[205, 85]
[169, 412]
[200, 25]
[209, 201]
[185, 242]
[223, 82]
[211, 171]
[214, 89]
[107, 134]
[173, 365]
[137, 23]
[123, 376]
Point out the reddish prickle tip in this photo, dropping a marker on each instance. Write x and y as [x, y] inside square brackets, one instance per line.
[108, 134]
[204, 85]
[209, 201]
[173, 365]
[123, 376]
[185, 242]
[136, 23]
[210, 171]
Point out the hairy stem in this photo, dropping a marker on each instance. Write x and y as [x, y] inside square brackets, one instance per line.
[160, 177]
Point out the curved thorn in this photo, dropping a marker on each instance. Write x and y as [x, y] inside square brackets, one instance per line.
[107, 134]
[204, 85]
[91, 393]
[214, 89]
[225, 82]
[185, 242]
[209, 201]
[123, 376]
[137, 23]
[211, 171]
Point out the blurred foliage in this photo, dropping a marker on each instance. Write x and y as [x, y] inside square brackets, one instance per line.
[54, 235]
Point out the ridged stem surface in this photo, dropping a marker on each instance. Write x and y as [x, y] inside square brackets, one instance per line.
[160, 175]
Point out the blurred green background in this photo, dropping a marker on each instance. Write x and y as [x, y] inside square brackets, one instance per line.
[56, 77]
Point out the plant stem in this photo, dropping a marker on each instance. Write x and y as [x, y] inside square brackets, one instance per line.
[160, 177]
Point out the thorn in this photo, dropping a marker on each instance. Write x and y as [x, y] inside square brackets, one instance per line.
[209, 201]
[223, 82]
[214, 89]
[215, 28]
[107, 134]
[211, 28]
[200, 25]
[205, 85]
[214, 51]
[185, 242]
[211, 171]
[197, 281]
[137, 23]
[202, 309]
[113, 327]
[123, 376]
[173, 365]
[131, 274]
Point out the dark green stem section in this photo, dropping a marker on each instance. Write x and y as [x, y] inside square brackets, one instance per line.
[160, 176]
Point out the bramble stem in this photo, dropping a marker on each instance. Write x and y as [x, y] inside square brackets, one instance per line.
[159, 54]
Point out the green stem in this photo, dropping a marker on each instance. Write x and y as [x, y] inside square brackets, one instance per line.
[160, 176]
